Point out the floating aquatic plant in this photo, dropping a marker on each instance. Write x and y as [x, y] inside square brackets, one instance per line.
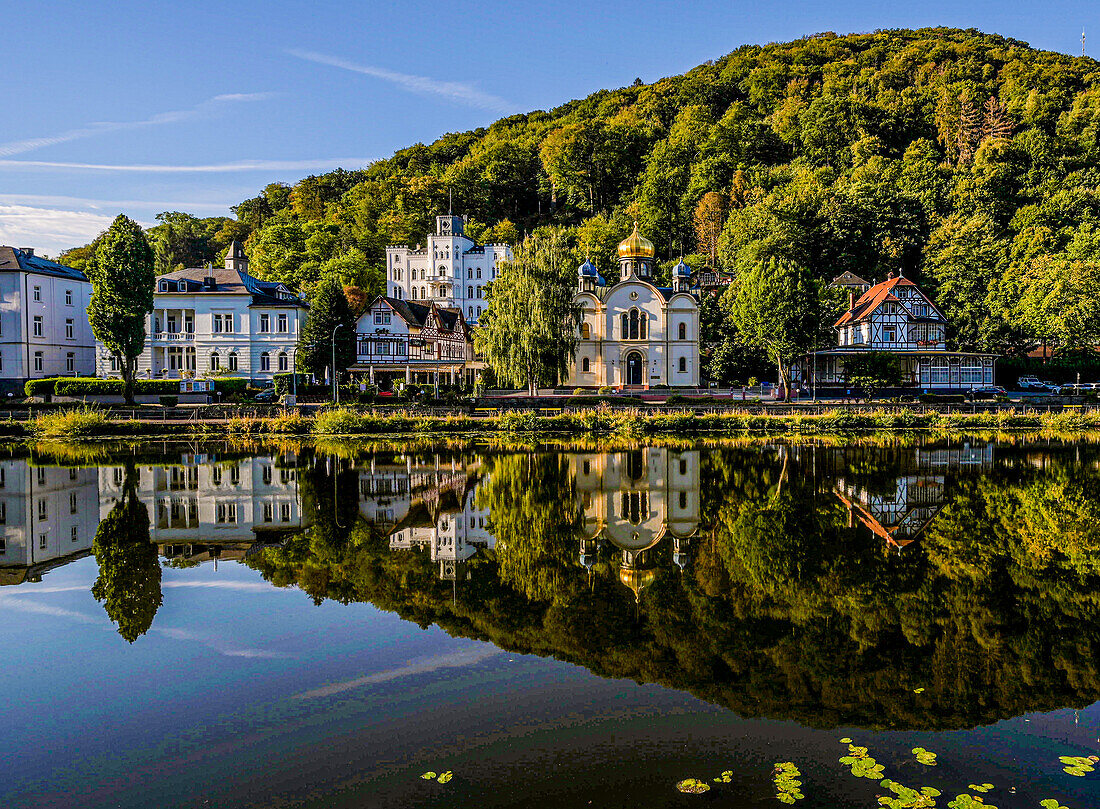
[1078, 765]
[1050, 803]
[925, 757]
[979, 787]
[428, 776]
[918, 690]
[863, 766]
[965, 801]
[724, 778]
[787, 786]
[907, 797]
[693, 786]
[445, 777]
[845, 740]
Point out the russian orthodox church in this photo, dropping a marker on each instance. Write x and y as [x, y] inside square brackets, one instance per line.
[635, 334]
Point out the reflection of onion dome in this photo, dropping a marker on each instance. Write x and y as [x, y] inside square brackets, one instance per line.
[681, 270]
[637, 580]
[680, 560]
[588, 269]
[636, 246]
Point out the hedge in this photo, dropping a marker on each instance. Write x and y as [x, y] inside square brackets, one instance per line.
[86, 386]
[42, 387]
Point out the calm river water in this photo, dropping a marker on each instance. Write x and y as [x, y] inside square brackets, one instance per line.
[201, 626]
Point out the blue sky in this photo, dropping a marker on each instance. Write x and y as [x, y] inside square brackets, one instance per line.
[145, 107]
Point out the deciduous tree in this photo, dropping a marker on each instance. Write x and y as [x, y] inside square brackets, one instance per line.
[330, 323]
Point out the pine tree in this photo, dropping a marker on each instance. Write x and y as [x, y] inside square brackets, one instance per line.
[122, 294]
[330, 323]
[970, 127]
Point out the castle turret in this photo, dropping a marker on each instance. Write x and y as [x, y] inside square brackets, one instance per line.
[235, 259]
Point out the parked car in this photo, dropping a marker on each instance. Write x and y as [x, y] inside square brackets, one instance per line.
[986, 392]
[1029, 383]
[265, 396]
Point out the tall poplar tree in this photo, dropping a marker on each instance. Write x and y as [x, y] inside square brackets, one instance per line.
[122, 294]
[528, 333]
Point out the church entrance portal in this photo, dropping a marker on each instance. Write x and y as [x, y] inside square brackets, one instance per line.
[635, 366]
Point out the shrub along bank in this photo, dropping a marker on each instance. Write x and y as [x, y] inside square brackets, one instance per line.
[90, 422]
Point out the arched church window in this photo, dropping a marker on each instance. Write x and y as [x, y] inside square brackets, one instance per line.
[683, 364]
[584, 365]
[683, 331]
[626, 326]
[586, 331]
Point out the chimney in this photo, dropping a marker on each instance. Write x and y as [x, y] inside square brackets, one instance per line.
[851, 299]
[27, 251]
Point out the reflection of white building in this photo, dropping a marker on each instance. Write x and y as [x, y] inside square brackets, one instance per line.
[899, 509]
[44, 517]
[634, 500]
[212, 503]
[428, 507]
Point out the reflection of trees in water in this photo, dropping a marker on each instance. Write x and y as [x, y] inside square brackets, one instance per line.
[786, 610]
[129, 571]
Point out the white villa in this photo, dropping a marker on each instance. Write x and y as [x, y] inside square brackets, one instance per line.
[635, 334]
[44, 518]
[418, 342]
[895, 316]
[217, 322]
[451, 270]
[44, 328]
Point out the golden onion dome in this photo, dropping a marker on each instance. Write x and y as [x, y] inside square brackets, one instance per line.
[637, 580]
[636, 246]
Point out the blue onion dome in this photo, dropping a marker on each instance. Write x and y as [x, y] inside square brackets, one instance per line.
[588, 268]
[681, 270]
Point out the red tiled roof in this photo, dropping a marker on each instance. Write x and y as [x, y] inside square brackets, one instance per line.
[870, 300]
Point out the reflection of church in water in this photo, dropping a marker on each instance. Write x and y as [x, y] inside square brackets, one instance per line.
[898, 507]
[637, 501]
[427, 505]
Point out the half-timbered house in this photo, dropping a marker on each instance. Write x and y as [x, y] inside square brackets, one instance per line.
[423, 343]
[896, 317]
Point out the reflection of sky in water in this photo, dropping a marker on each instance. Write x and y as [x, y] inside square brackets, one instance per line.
[241, 693]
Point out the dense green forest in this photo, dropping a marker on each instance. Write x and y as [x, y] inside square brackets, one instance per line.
[964, 159]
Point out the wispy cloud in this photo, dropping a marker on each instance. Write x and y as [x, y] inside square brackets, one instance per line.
[454, 91]
[467, 657]
[23, 605]
[47, 229]
[52, 200]
[212, 168]
[219, 645]
[103, 127]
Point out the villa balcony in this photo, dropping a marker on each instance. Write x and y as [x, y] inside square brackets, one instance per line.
[173, 337]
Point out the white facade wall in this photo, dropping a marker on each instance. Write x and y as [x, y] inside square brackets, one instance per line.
[62, 304]
[44, 512]
[170, 348]
[451, 269]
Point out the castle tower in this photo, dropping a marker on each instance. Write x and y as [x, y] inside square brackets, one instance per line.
[235, 259]
[636, 256]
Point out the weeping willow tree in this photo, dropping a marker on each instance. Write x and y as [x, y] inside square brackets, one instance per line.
[529, 331]
[129, 574]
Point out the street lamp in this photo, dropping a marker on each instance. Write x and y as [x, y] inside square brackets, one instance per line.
[335, 385]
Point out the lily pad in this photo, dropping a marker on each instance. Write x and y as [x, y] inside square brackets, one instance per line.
[979, 787]
[1050, 803]
[787, 785]
[428, 776]
[845, 740]
[693, 786]
[918, 690]
[445, 777]
[926, 757]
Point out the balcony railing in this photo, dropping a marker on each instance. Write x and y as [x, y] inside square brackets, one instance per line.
[173, 337]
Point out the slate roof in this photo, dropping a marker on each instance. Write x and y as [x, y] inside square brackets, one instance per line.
[416, 314]
[233, 282]
[877, 295]
[848, 279]
[15, 259]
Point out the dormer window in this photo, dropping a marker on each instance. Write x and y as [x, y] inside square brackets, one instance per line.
[163, 286]
[183, 286]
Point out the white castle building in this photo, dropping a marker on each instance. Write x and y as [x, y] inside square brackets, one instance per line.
[452, 270]
[211, 322]
[44, 329]
[635, 334]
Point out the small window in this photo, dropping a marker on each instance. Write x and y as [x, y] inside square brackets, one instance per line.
[38, 325]
[70, 329]
[284, 361]
[683, 333]
[269, 512]
[74, 534]
[265, 361]
[38, 294]
[163, 286]
[265, 324]
[68, 297]
[266, 474]
[72, 502]
[215, 361]
[43, 509]
[38, 361]
[3, 521]
[233, 361]
[284, 512]
[227, 323]
[586, 331]
[283, 323]
[683, 364]
[70, 362]
[217, 324]
[43, 541]
[584, 365]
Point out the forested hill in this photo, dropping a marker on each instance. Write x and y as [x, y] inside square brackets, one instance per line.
[966, 158]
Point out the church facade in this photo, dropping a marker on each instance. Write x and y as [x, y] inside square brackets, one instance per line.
[634, 334]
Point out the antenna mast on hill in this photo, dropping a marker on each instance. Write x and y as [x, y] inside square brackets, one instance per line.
[1082, 41]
